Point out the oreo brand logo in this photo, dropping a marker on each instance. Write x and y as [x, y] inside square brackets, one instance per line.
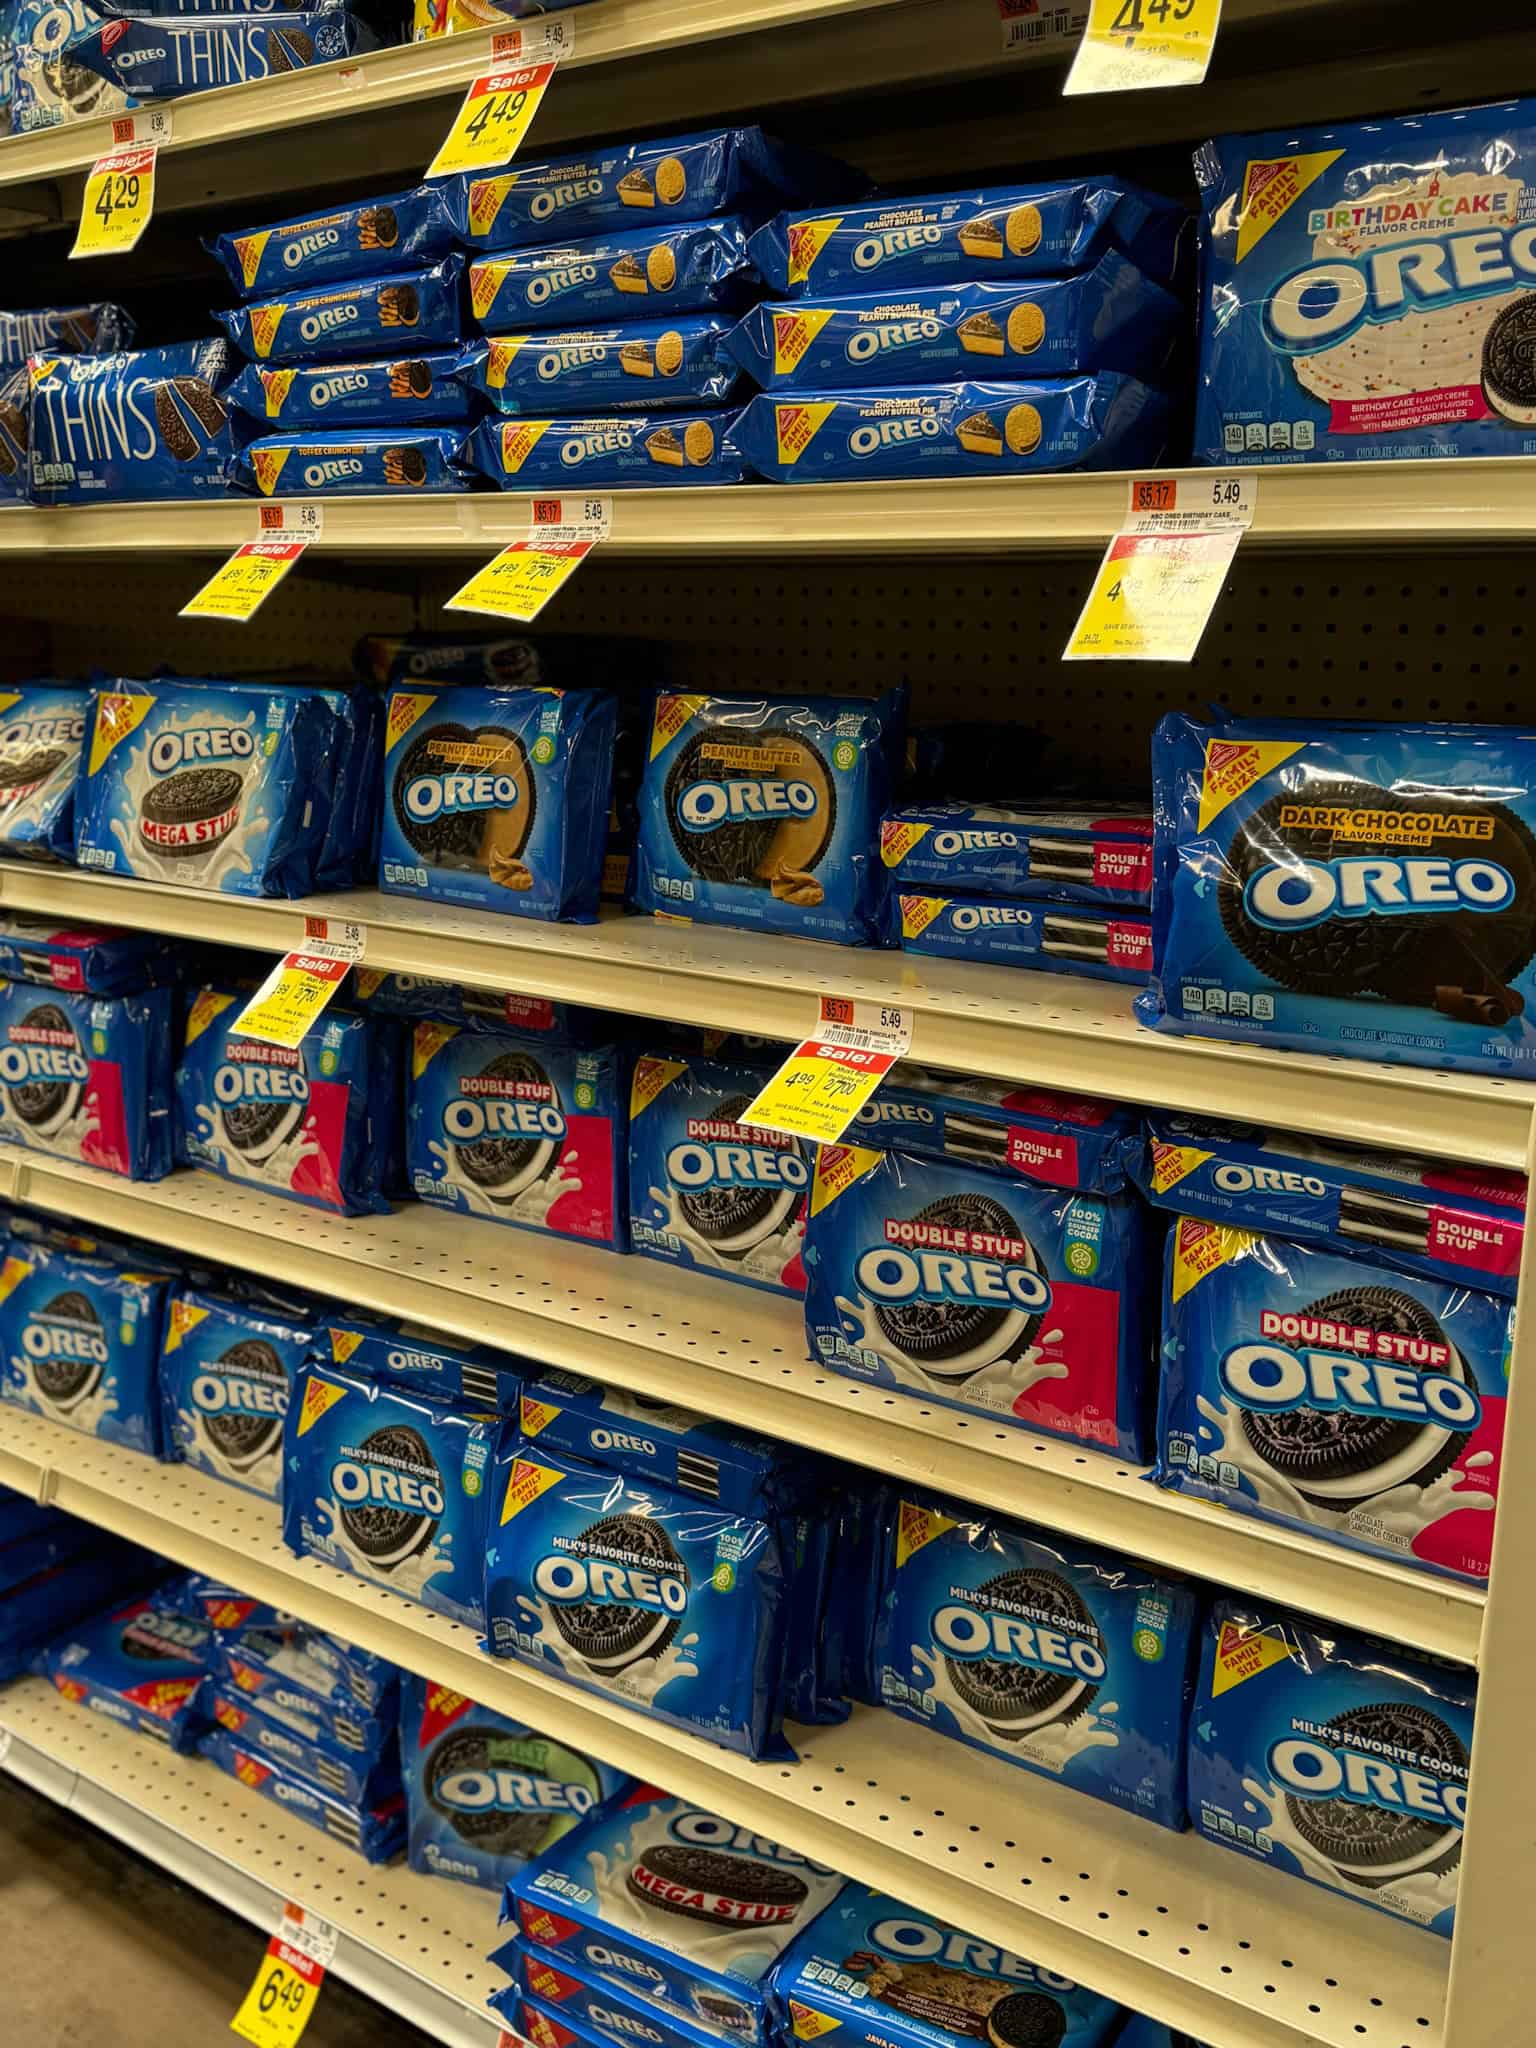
[894, 433]
[704, 806]
[327, 319]
[433, 796]
[20, 1063]
[321, 393]
[385, 1486]
[558, 196]
[555, 362]
[239, 1394]
[302, 247]
[249, 1081]
[604, 1582]
[879, 1111]
[619, 1440]
[502, 1791]
[693, 1166]
[336, 469]
[873, 250]
[709, 1831]
[1233, 1179]
[171, 750]
[612, 439]
[549, 284]
[1269, 1378]
[466, 1119]
[888, 1273]
[624, 2024]
[970, 917]
[920, 1941]
[947, 844]
[41, 732]
[629, 1966]
[874, 341]
[1314, 1769]
[1322, 304]
[966, 1633]
[65, 1340]
[291, 1794]
[1296, 895]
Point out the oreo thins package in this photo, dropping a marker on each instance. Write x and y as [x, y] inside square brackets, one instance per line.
[141, 1665]
[495, 798]
[1337, 1758]
[981, 1291]
[657, 271]
[650, 450]
[402, 308]
[100, 328]
[487, 1793]
[348, 241]
[80, 1339]
[1336, 1394]
[1357, 889]
[227, 1369]
[391, 1486]
[1028, 850]
[766, 811]
[42, 730]
[151, 424]
[376, 393]
[675, 1905]
[642, 366]
[1051, 938]
[352, 464]
[164, 56]
[88, 1077]
[888, 1975]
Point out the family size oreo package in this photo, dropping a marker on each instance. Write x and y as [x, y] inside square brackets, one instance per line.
[345, 242]
[150, 424]
[1336, 1394]
[405, 1354]
[1049, 937]
[166, 56]
[378, 392]
[352, 463]
[556, 2004]
[765, 811]
[1101, 856]
[1357, 889]
[42, 731]
[1334, 1757]
[639, 366]
[296, 1673]
[675, 1905]
[81, 1337]
[88, 1077]
[391, 1486]
[1064, 1659]
[519, 1132]
[376, 1832]
[227, 1370]
[646, 275]
[365, 317]
[304, 1750]
[487, 1793]
[889, 1975]
[89, 959]
[982, 1291]
[495, 798]
[1061, 1141]
[142, 1665]
[653, 451]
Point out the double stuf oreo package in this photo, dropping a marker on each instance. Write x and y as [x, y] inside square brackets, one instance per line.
[227, 1369]
[88, 1077]
[1367, 890]
[79, 1340]
[765, 811]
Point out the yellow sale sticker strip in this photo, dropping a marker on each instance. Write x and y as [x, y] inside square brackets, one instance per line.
[1163, 572]
[119, 199]
[278, 2006]
[499, 108]
[1129, 45]
[239, 589]
[829, 1076]
[291, 999]
[525, 576]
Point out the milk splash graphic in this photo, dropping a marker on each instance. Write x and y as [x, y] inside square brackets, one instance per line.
[1422, 1897]
[1050, 1748]
[70, 1141]
[203, 870]
[998, 1385]
[87, 1414]
[410, 1577]
[643, 1681]
[738, 1951]
[768, 1260]
[206, 1141]
[533, 1205]
[21, 815]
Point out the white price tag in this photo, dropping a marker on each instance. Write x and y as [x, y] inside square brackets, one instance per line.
[568, 520]
[335, 940]
[292, 521]
[309, 1934]
[1030, 26]
[545, 42]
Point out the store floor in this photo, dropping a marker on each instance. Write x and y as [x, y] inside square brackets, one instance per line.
[102, 1946]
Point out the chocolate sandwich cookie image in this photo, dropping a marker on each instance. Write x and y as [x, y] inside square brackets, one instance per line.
[257, 1128]
[756, 808]
[391, 1465]
[610, 1636]
[1374, 1845]
[191, 811]
[1509, 362]
[953, 1339]
[47, 1104]
[1026, 2019]
[467, 798]
[711, 1885]
[1015, 1699]
[469, 1753]
[241, 1431]
[66, 1350]
[502, 1166]
[734, 1219]
[226, 1371]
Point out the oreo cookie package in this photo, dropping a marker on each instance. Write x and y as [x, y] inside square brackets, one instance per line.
[391, 1486]
[1102, 855]
[88, 1077]
[227, 1369]
[1049, 937]
[304, 1751]
[653, 272]
[487, 1793]
[165, 57]
[90, 959]
[149, 424]
[651, 450]
[481, 1009]
[80, 1338]
[1334, 1393]
[641, 366]
[49, 87]
[888, 1975]
[522, 1133]
[42, 730]
[765, 811]
[345, 242]
[365, 317]
[100, 328]
[1357, 889]
[15, 412]
[352, 462]
[982, 1292]
[405, 1354]
[300, 1674]
[495, 798]
[142, 1665]
[1064, 1659]
[1061, 1141]
[376, 393]
[36, 1610]
[1335, 1757]
[675, 1905]
[555, 2004]
[376, 1832]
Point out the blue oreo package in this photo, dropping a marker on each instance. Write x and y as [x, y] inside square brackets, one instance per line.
[480, 1009]
[80, 1339]
[391, 1486]
[1339, 1759]
[91, 959]
[42, 731]
[1106, 318]
[1063, 1659]
[1101, 854]
[376, 1832]
[650, 450]
[36, 1610]
[403, 1354]
[319, 1121]
[310, 1679]
[376, 392]
[1351, 888]
[352, 463]
[364, 317]
[556, 2004]
[1062, 1141]
[88, 1077]
[97, 329]
[639, 1594]
[142, 1665]
[227, 1370]
[1101, 421]
[15, 424]
[1051, 937]
[163, 57]
[306, 1753]
[495, 798]
[766, 811]
[342, 242]
[641, 366]
[150, 424]
[49, 88]
[652, 272]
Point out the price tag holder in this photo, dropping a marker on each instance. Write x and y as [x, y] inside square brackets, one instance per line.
[829, 1076]
[244, 583]
[1031, 26]
[1162, 573]
[499, 106]
[278, 2005]
[296, 992]
[525, 576]
[1129, 45]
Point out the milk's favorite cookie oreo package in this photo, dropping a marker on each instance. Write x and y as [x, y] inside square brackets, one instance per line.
[141, 1665]
[1101, 855]
[496, 798]
[345, 242]
[88, 1077]
[42, 732]
[1368, 290]
[889, 1975]
[227, 1371]
[486, 1793]
[80, 1338]
[1334, 1757]
[391, 1486]
[1064, 1659]
[388, 311]
[766, 811]
[1357, 889]
[150, 424]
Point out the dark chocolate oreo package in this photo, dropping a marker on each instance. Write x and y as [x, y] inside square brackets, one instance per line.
[148, 424]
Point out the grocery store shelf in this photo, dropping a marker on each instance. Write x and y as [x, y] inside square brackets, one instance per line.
[1224, 1949]
[740, 1355]
[415, 1944]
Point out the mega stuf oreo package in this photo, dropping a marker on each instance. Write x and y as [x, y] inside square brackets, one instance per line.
[152, 423]
[766, 811]
[88, 1077]
[1366, 890]
[79, 1337]
[42, 731]
[675, 1905]
[1064, 1659]
[1337, 1394]
[889, 1975]
[141, 1665]
[487, 1793]
[391, 1486]
[981, 1291]
[227, 1369]
[1337, 1758]
[496, 798]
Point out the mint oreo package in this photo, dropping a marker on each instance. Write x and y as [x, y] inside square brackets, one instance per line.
[647, 274]
[1341, 1760]
[403, 1354]
[1334, 1392]
[80, 1338]
[142, 1665]
[375, 1831]
[982, 1291]
[88, 1077]
[1061, 1658]
[1098, 855]
[350, 462]
[305, 1750]
[639, 366]
[390, 1486]
[1059, 1140]
[1356, 889]
[1048, 937]
[150, 423]
[227, 1370]
[163, 57]
[556, 2004]
[379, 392]
[369, 316]
[42, 730]
[342, 242]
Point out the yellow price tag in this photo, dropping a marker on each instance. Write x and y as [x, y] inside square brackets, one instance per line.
[245, 581]
[278, 2005]
[119, 198]
[830, 1076]
[291, 999]
[489, 127]
[1163, 572]
[522, 579]
[1131, 44]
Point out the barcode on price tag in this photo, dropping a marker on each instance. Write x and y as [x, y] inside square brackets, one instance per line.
[829, 1076]
[1029, 25]
[1164, 571]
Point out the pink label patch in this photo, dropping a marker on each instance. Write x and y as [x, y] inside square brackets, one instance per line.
[1130, 945]
[67, 974]
[1061, 1109]
[587, 1157]
[325, 1127]
[1084, 1326]
[1122, 867]
[1481, 1244]
[105, 1144]
[1052, 1160]
[1462, 1541]
[1446, 407]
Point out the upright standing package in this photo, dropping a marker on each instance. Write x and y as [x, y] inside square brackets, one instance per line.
[88, 1077]
[41, 737]
[227, 1371]
[80, 1339]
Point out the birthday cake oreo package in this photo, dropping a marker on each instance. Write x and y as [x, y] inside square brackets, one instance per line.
[88, 1077]
[42, 730]
[1336, 1758]
[80, 1337]
[1357, 889]
[141, 1665]
[227, 1370]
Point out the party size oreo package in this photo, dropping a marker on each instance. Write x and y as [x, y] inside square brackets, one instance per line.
[648, 274]
[305, 1752]
[88, 1077]
[378, 392]
[42, 731]
[1335, 1394]
[1047, 937]
[352, 462]
[495, 798]
[519, 1132]
[227, 1369]
[1102, 855]
[166, 56]
[640, 366]
[1064, 1659]
[369, 316]
[80, 1338]
[1334, 1757]
[400, 1353]
[376, 1832]
[982, 1291]
[152, 423]
[391, 1486]
[487, 1793]
[1357, 889]
[1059, 1140]
[141, 1665]
[554, 2003]
[345, 242]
